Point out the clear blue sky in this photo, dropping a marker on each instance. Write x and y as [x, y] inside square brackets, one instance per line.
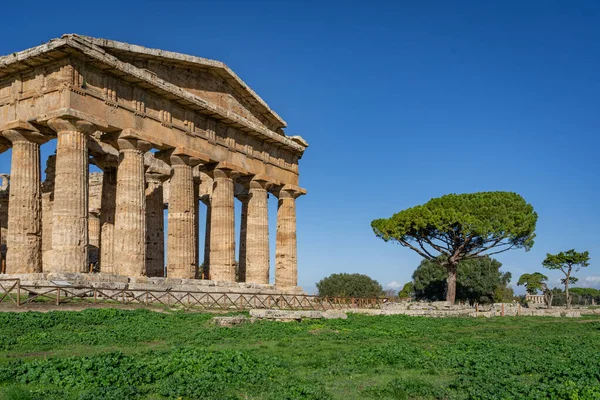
[399, 101]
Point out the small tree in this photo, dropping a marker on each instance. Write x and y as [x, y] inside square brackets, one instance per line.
[349, 285]
[407, 292]
[455, 227]
[534, 282]
[567, 262]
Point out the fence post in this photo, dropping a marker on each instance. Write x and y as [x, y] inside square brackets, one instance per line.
[95, 295]
[18, 293]
[57, 296]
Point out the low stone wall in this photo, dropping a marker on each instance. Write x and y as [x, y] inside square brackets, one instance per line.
[119, 282]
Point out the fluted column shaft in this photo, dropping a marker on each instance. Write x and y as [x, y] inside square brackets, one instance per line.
[47, 202]
[286, 263]
[155, 232]
[222, 232]
[70, 209]
[130, 211]
[257, 234]
[182, 235]
[107, 220]
[24, 241]
[206, 269]
[243, 237]
[94, 238]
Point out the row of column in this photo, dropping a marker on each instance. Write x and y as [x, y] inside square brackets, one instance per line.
[132, 214]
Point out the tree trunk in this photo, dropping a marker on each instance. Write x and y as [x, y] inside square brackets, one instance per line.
[451, 283]
[567, 293]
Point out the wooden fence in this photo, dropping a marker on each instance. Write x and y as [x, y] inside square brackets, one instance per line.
[12, 291]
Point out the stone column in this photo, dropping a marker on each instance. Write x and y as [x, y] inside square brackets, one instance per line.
[47, 201]
[70, 209]
[24, 241]
[257, 232]
[182, 236]
[197, 219]
[107, 220]
[205, 192]
[130, 209]
[94, 238]
[155, 231]
[4, 194]
[242, 260]
[286, 262]
[222, 232]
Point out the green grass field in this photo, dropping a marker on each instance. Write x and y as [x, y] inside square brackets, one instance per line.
[117, 354]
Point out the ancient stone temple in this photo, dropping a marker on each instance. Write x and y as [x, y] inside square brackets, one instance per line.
[167, 130]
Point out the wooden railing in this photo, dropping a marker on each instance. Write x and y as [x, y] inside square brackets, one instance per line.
[12, 291]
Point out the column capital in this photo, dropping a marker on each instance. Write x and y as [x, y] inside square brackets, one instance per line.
[68, 119]
[21, 131]
[224, 170]
[124, 144]
[179, 156]
[257, 181]
[156, 177]
[288, 191]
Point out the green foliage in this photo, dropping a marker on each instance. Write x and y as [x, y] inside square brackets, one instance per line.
[182, 356]
[478, 280]
[349, 285]
[408, 291]
[455, 227]
[567, 262]
[532, 282]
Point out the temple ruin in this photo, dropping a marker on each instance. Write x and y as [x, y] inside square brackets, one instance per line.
[167, 130]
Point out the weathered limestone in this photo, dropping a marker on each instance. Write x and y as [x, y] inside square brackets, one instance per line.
[205, 193]
[4, 194]
[182, 234]
[24, 241]
[107, 220]
[257, 231]
[222, 228]
[107, 101]
[47, 202]
[70, 208]
[155, 231]
[286, 260]
[243, 198]
[130, 215]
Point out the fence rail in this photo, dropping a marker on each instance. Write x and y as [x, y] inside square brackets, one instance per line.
[11, 290]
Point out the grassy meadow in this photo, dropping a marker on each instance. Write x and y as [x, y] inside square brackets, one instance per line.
[140, 354]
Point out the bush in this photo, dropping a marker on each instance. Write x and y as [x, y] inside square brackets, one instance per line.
[349, 285]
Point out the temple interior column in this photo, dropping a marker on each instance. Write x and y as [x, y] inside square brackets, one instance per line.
[94, 239]
[205, 192]
[243, 198]
[24, 241]
[181, 235]
[257, 236]
[47, 201]
[70, 209]
[286, 262]
[130, 209]
[107, 220]
[155, 232]
[4, 194]
[222, 227]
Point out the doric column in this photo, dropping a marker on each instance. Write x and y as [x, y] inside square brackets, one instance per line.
[286, 262]
[257, 231]
[70, 209]
[130, 209]
[107, 220]
[222, 232]
[4, 194]
[205, 193]
[94, 237]
[155, 231]
[243, 238]
[24, 241]
[47, 202]
[197, 219]
[182, 235]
